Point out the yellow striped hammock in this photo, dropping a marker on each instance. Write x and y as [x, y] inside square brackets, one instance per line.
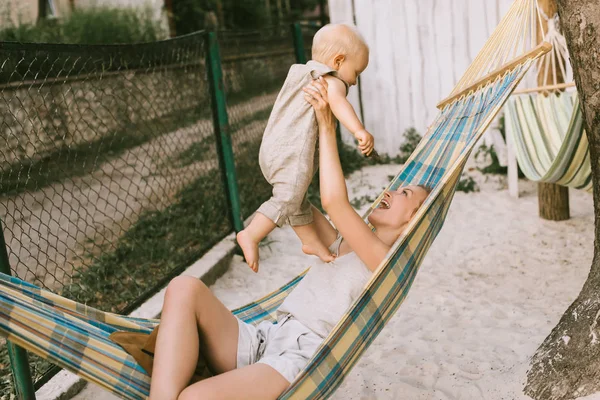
[544, 121]
[76, 337]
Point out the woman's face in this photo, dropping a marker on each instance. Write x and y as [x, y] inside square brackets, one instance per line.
[398, 207]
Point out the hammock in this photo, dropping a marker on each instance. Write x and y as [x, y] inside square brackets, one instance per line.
[546, 125]
[76, 337]
[549, 139]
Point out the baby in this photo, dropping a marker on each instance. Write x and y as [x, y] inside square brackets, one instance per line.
[288, 154]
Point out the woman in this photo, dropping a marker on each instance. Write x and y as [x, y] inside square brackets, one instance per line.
[260, 362]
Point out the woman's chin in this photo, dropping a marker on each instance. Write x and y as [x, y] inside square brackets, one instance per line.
[375, 216]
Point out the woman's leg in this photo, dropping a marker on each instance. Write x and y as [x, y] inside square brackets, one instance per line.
[325, 230]
[256, 381]
[193, 320]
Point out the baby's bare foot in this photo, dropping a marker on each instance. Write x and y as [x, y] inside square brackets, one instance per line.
[318, 249]
[250, 249]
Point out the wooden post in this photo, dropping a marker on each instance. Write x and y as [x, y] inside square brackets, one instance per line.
[170, 17]
[220, 13]
[322, 14]
[268, 11]
[512, 167]
[42, 9]
[553, 200]
[279, 12]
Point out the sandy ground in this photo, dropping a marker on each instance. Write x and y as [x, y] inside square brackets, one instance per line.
[492, 286]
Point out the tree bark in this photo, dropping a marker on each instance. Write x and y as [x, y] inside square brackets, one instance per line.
[567, 363]
[553, 200]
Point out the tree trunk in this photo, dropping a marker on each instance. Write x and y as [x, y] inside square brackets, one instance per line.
[567, 364]
[553, 200]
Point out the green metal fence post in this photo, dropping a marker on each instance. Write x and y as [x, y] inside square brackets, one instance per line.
[19, 365]
[221, 125]
[298, 43]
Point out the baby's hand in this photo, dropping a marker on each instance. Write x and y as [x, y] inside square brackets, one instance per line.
[365, 141]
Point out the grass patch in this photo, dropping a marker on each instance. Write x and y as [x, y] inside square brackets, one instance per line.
[190, 155]
[98, 25]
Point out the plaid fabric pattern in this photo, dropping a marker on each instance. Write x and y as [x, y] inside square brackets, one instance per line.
[550, 139]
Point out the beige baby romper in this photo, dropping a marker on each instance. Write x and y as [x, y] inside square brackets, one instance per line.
[287, 153]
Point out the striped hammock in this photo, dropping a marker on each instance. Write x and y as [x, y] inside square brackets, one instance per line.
[76, 337]
[549, 138]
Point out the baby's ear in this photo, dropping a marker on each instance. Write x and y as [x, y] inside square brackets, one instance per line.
[338, 60]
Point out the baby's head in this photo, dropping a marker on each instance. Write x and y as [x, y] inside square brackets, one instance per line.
[341, 47]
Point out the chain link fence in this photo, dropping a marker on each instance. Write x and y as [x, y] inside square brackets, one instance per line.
[110, 182]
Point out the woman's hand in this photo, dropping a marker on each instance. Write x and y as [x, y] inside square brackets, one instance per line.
[316, 94]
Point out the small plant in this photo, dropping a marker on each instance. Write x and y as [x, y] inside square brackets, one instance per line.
[467, 184]
[494, 167]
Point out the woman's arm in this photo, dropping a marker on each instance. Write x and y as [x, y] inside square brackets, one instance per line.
[334, 194]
